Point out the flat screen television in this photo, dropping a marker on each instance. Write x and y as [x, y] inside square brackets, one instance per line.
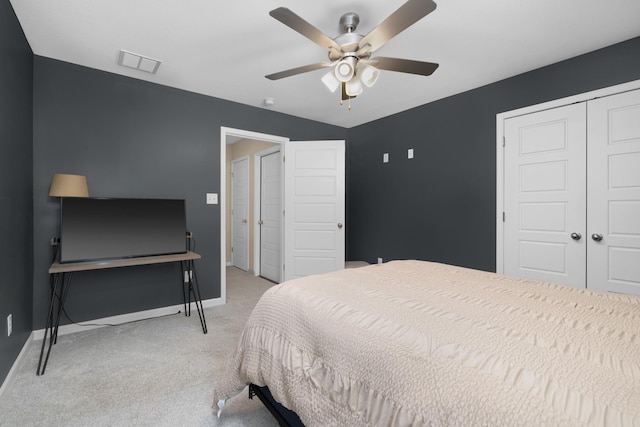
[93, 229]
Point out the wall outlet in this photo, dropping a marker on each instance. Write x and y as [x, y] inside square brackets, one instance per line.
[212, 198]
[379, 260]
[385, 158]
[410, 153]
[188, 275]
[9, 325]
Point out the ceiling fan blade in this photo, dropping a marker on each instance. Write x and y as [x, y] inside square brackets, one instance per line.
[407, 15]
[298, 70]
[295, 22]
[403, 65]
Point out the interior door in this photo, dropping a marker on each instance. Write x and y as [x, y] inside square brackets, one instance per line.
[270, 216]
[545, 200]
[314, 238]
[613, 254]
[240, 213]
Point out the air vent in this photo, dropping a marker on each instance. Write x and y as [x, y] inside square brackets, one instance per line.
[138, 62]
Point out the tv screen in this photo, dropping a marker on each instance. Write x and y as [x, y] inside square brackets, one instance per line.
[104, 228]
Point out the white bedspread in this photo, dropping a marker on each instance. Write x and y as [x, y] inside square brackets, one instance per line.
[419, 343]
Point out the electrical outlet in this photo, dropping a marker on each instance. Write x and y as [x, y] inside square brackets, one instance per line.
[410, 153]
[9, 325]
[212, 198]
[379, 260]
[385, 158]
[188, 275]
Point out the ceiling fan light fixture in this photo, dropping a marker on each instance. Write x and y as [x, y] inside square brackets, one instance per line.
[330, 81]
[345, 69]
[354, 86]
[368, 74]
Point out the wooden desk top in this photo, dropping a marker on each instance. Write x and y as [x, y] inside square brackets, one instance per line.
[67, 267]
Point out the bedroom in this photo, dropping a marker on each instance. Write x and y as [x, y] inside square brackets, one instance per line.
[121, 132]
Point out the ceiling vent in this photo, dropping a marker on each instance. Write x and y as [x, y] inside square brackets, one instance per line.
[138, 62]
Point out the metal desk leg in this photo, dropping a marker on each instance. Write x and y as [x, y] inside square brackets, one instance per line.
[185, 291]
[64, 290]
[194, 290]
[57, 284]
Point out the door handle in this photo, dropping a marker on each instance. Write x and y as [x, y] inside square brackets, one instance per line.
[339, 225]
[260, 222]
[576, 236]
[597, 237]
[244, 221]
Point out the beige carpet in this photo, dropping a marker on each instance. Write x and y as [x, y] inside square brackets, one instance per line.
[157, 372]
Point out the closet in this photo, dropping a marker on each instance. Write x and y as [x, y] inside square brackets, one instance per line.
[570, 183]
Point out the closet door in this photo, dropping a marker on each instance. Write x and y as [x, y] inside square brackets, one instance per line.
[613, 193]
[545, 201]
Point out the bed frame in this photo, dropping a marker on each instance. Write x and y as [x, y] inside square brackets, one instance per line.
[284, 416]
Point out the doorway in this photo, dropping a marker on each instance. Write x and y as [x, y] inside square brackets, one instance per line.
[229, 137]
[244, 202]
[313, 232]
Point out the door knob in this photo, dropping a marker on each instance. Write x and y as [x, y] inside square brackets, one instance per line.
[244, 221]
[261, 222]
[576, 236]
[339, 225]
[596, 236]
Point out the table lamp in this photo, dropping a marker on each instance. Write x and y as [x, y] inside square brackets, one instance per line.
[65, 185]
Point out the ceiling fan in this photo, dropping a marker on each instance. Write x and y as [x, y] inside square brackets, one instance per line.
[350, 53]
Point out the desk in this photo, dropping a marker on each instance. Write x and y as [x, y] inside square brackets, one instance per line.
[60, 278]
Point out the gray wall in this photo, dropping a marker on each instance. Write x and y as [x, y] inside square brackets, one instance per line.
[440, 206]
[135, 139]
[16, 207]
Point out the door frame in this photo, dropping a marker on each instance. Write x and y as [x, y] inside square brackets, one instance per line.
[257, 203]
[228, 134]
[500, 119]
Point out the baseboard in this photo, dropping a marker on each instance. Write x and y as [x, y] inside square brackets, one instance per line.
[125, 318]
[9, 378]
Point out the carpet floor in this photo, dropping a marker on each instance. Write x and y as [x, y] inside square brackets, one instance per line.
[156, 372]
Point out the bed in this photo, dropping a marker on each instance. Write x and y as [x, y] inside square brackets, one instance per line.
[411, 343]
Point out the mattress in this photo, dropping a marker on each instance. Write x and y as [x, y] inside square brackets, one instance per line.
[411, 343]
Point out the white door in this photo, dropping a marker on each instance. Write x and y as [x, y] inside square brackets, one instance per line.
[314, 215]
[270, 216]
[240, 213]
[614, 193]
[544, 193]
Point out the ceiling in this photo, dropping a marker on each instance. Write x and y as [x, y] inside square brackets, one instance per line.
[224, 49]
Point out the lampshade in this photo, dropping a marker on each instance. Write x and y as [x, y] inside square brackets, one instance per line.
[368, 74]
[354, 86]
[65, 185]
[345, 69]
[330, 81]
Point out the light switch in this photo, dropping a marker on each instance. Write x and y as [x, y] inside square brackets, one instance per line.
[385, 158]
[212, 198]
[410, 153]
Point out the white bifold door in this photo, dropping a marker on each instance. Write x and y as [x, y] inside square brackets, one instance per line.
[613, 198]
[314, 207]
[240, 213]
[270, 222]
[572, 194]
